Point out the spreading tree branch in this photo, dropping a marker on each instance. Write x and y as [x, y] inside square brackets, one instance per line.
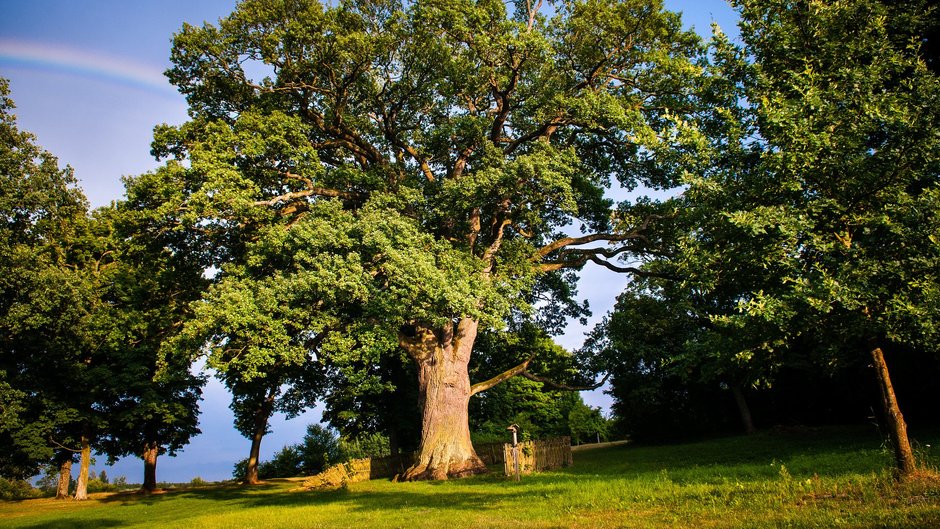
[422, 161]
[502, 377]
[490, 253]
[63, 447]
[545, 130]
[583, 259]
[587, 239]
[310, 191]
[563, 387]
[582, 255]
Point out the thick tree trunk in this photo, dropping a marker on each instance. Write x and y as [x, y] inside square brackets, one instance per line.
[260, 428]
[897, 428]
[151, 451]
[743, 409]
[81, 486]
[443, 357]
[65, 477]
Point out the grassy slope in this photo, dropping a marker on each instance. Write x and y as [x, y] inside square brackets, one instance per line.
[833, 478]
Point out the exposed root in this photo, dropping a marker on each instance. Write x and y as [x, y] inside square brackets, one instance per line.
[428, 471]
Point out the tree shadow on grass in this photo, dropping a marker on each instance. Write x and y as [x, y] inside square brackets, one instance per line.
[776, 445]
[275, 495]
[216, 492]
[77, 524]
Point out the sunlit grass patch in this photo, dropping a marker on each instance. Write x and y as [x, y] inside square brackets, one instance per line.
[827, 478]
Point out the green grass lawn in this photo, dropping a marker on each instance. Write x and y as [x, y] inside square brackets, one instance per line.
[825, 478]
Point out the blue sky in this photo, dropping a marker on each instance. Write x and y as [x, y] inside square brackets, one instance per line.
[86, 77]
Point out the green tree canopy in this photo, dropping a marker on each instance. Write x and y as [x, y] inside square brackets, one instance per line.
[153, 406]
[50, 262]
[403, 174]
[815, 198]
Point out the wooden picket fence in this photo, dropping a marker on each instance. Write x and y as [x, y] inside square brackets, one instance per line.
[490, 453]
[536, 456]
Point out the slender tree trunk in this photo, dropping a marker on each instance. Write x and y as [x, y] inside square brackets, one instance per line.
[260, 428]
[65, 477]
[743, 409]
[81, 486]
[151, 451]
[251, 473]
[897, 428]
[443, 357]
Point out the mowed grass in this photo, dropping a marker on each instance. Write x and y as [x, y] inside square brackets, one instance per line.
[810, 478]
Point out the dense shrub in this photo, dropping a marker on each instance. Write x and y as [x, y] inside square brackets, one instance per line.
[368, 445]
[96, 485]
[320, 449]
[287, 462]
[17, 489]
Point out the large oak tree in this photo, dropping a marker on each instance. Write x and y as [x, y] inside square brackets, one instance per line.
[408, 173]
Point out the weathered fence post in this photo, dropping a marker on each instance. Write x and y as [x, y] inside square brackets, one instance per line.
[515, 447]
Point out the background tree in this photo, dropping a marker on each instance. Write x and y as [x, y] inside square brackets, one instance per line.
[435, 155]
[834, 211]
[541, 400]
[664, 385]
[255, 400]
[50, 262]
[155, 405]
[365, 398]
[319, 449]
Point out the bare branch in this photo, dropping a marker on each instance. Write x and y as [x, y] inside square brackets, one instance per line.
[636, 233]
[587, 239]
[310, 191]
[545, 130]
[63, 447]
[533, 10]
[362, 150]
[422, 161]
[584, 257]
[502, 377]
[563, 387]
[491, 251]
[501, 97]
[474, 227]
[629, 269]
[461, 162]
[522, 370]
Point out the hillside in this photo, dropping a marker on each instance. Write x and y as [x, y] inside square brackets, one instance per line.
[801, 478]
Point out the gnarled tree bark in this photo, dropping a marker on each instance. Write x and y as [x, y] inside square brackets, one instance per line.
[443, 357]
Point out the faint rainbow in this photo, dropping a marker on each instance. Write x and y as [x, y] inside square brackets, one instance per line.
[96, 66]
